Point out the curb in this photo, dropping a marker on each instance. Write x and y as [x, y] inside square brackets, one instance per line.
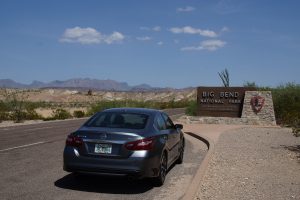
[196, 181]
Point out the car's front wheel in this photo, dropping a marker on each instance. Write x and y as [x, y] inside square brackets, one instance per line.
[159, 181]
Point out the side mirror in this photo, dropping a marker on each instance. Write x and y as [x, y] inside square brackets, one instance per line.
[180, 126]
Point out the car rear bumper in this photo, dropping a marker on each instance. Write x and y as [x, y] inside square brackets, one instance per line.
[137, 166]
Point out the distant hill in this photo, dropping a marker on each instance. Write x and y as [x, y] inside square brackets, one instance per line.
[80, 83]
[8, 83]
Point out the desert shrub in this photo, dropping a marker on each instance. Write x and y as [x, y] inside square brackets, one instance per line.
[286, 100]
[48, 119]
[102, 105]
[250, 84]
[18, 116]
[78, 113]
[61, 114]
[4, 112]
[191, 109]
[31, 114]
[14, 101]
[90, 92]
[2, 116]
[18, 111]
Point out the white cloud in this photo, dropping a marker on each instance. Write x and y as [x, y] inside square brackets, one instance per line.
[225, 29]
[114, 37]
[210, 45]
[155, 28]
[160, 43]
[186, 9]
[191, 30]
[145, 38]
[89, 36]
[81, 35]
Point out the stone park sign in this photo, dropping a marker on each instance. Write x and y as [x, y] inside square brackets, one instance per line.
[221, 101]
[233, 105]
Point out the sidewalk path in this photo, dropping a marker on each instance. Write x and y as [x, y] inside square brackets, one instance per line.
[250, 163]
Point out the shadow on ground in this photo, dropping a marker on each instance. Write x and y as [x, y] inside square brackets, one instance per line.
[295, 148]
[103, 184]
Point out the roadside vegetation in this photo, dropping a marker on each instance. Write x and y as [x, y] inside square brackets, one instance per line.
[140, 104]
[14, 105]
[191, 108]
[286, 100]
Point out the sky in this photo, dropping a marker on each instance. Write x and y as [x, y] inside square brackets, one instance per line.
[163, 43]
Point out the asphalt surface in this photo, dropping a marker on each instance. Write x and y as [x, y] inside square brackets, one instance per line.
[31, 168]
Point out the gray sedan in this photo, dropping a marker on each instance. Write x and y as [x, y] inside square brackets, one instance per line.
[134, 142]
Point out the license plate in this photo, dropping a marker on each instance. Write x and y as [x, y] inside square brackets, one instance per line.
[103, 148]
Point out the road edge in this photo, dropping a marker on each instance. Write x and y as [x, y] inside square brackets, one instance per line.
[193, 188]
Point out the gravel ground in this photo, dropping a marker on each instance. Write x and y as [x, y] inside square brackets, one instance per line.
[254, 163]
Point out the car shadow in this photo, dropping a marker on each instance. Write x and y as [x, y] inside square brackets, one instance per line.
[103, 184]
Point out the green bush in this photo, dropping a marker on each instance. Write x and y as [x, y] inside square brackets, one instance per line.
[32, 115]
[286, 100]
[61, 114]
[48, 119]
[102, 105]
[191, 109]
[3, 116]
[13, 104]
[78, 113]
[18, 116]
[4, 112]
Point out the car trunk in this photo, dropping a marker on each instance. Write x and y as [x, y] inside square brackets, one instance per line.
[109, 144]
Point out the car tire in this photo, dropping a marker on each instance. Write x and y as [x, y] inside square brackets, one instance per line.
[160, 179]
[181, 153]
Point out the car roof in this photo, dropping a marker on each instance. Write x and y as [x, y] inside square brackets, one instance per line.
[133, 110]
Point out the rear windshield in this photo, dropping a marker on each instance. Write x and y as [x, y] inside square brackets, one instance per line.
[119, 120]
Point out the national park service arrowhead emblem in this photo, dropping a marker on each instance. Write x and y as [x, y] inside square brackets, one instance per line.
[257, 102]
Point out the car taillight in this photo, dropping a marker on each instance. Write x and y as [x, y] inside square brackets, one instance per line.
[144, 144]
[74, 141]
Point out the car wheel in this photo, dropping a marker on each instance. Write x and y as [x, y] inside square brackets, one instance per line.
[181, 153]
[159, 181]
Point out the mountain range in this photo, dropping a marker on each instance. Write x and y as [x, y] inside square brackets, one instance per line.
[80, 83]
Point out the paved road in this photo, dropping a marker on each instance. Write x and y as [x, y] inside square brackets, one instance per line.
[31, 168]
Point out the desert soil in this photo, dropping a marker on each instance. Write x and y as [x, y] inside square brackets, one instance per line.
[254, 163]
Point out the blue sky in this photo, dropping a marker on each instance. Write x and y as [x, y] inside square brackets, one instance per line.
[170, 43]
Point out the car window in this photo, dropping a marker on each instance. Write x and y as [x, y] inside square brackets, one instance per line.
[119, 120]
[168, 121]
[160, 122]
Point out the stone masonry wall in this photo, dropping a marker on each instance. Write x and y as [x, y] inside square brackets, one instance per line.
[266, 116]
